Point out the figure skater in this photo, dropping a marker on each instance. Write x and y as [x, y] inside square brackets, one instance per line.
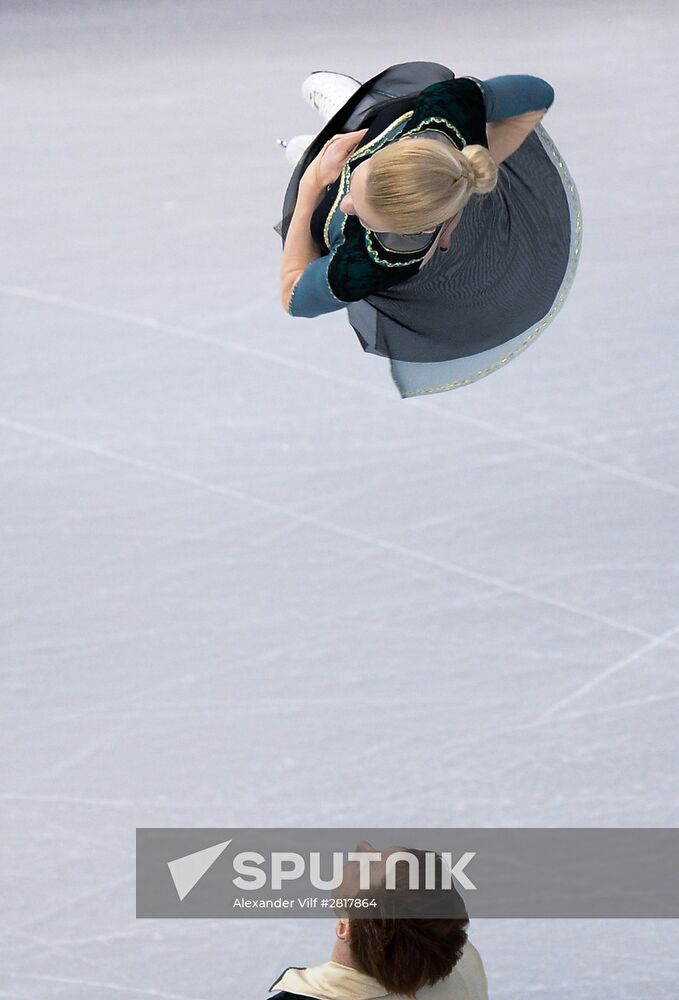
[438, 212]
[404, 951]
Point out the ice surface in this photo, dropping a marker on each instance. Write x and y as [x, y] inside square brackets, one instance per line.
[244, 583]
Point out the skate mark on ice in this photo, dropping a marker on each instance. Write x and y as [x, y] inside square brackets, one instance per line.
[426, 405]
[328, 526]
[614, 668]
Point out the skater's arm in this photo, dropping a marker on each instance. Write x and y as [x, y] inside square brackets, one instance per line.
[514, 106]
[505, 137]
[300, 249]
[514, 95]
[305, 289]
[312, 294]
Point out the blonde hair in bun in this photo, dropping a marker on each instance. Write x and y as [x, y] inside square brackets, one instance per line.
[482, 169]
[415, 186]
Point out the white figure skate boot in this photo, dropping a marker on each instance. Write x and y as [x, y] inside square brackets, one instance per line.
[327, 92]
[295, 147]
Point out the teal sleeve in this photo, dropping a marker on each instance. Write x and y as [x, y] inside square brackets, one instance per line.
[312, 295]
[506, 96]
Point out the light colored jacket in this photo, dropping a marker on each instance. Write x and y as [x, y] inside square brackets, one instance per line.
[332, 981]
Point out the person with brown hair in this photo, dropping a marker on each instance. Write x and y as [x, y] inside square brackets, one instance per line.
[388, 185]
[416, 946]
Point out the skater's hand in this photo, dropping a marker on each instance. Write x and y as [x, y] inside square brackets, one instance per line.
[329, 163]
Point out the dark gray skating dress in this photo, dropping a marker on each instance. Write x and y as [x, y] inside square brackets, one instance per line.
[513, 256]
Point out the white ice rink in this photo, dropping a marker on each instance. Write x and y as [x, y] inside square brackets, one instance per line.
[244, 583]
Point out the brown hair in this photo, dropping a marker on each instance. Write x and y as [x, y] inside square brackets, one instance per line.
[404, 954]
[418, 184]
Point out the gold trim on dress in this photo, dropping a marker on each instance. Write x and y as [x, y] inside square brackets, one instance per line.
[436, 118]
[388, 263]
[397, 121]
[341, 191]
[394, 250]
[344, 177]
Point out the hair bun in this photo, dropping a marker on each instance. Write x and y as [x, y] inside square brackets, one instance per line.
[482, 167]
